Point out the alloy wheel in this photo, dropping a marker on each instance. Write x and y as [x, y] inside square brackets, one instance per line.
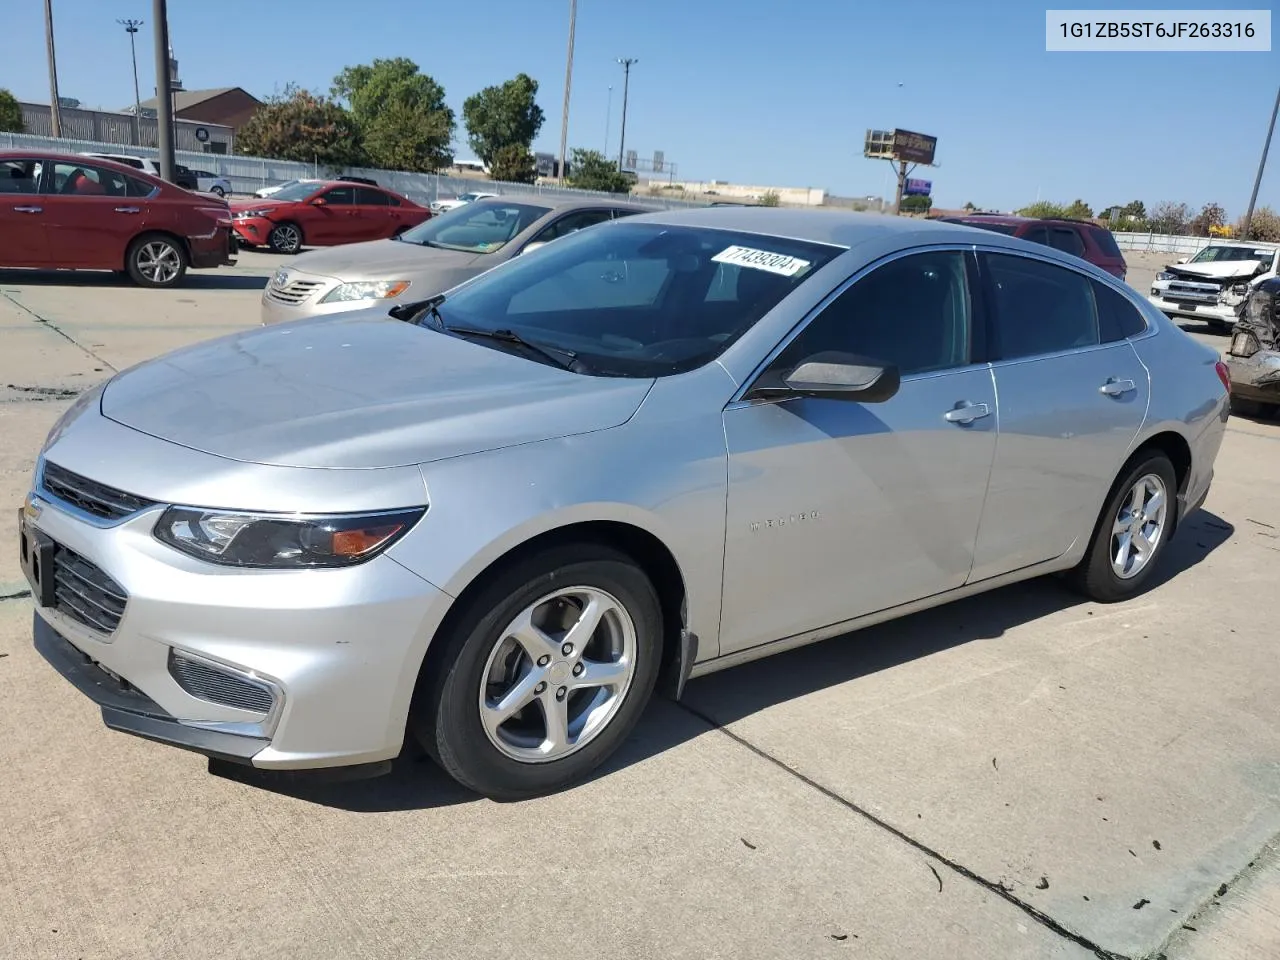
[287, 238]
[159, 261]
[558, 674]
[1139, 526]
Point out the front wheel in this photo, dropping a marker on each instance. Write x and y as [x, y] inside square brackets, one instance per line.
[155, 260]
[218, 190]
[285, 238]
[546, 672]
[1131, 533]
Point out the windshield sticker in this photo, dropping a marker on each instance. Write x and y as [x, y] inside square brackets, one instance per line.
[778, 263]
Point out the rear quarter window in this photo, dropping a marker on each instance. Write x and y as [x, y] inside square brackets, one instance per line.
[1117, 317]
[1106, 242]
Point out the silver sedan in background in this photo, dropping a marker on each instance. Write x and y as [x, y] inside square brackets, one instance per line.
[431, 257]
[661, 447]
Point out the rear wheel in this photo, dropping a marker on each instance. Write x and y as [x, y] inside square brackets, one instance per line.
[156, 260]
[285, 238]
[546, 672]
[1131, 533]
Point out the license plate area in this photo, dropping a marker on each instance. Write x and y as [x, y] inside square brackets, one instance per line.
[35, 556]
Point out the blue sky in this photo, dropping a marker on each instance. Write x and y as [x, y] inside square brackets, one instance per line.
[749, 91]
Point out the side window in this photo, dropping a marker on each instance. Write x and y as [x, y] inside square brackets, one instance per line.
[1117, 317]
[370, 198]
[1039, 308]
[137, 188]
[340, 196]
[914, 312]
[570, 223]
[1068, 241]
[620, 213]
[1037, 235]
[19, 176]
[82, 180]
[391, 201]
[595, 285]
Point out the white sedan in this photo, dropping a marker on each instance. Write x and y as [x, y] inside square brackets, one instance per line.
[444, 206]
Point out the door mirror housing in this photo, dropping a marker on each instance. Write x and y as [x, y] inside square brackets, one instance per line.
[841, 376]
[319, 202]
[535, 245]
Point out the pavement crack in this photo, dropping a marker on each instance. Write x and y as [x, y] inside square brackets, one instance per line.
[56, 329]
[1005, 893]
[20, 595]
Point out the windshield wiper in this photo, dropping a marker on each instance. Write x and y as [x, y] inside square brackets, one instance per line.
[564, 359]
[410, 312]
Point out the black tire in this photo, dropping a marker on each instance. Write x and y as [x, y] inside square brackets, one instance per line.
[156, 260]
[218, 190]
[446, 718]
[285, 238]
[1095, 576]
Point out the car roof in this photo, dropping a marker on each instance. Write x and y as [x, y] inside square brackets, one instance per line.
[560, 203]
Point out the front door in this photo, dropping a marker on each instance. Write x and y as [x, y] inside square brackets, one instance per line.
[334, 221]
[91, 214]
[838, 508]
[22, 235]
[1073, 395]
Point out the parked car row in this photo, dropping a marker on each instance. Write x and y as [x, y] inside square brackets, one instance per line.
[592, 449]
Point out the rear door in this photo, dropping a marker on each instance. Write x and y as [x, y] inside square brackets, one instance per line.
[373, 214]
[1073, 395]
[91, 214]
[22, 235]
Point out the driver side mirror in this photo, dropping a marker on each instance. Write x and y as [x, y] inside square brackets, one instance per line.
[837, 376]
[530, 247]
[319, 202]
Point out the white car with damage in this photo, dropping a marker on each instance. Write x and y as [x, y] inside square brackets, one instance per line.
[1212, 285]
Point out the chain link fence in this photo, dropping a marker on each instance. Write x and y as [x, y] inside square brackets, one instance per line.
[248, 174]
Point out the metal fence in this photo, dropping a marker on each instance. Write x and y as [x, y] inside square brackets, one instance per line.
[248, 174]
[1162, 242]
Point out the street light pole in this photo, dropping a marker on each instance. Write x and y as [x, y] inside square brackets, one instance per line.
[164, 103]
[568, 79]
[608, 112]
[626, 83]
[1266, 146]
[131, 28]
[55, 108]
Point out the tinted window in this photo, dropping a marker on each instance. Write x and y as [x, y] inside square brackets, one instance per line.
[480, 227]
[19, 176]
[340, 196]
[637, 299]
[1038, 307]
[1037, 235]
[391, 201]
[1106, 242]
[127, 161]
[1067, 240]
[370, 198]
[1117, 317]
[572, 222]
[83, 180]
[913, 312]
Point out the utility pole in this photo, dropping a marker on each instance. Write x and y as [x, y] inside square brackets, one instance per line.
[626, 83]
[55, 108]
[902, 183]
[164, 104]
[1266, 146]
[568, 80]
[131, 28]
[608, 112]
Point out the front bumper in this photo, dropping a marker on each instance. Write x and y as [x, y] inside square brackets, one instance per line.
[1257, 377]
[1218, 314]
[253, 232]
[340, 648]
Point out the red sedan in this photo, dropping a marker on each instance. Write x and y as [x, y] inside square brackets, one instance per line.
[324, 215]
[66, 211]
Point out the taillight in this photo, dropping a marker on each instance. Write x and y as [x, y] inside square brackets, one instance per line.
[1224, 374]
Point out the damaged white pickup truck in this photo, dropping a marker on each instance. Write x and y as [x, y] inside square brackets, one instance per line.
[1212, 285]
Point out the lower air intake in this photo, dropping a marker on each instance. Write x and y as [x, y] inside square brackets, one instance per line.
[207, 681]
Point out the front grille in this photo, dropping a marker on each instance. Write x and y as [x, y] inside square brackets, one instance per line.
[86, 594]
[89, 495]
[205, 681]
[295, 291]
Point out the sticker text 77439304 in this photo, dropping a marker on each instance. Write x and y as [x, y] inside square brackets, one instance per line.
[779, 263]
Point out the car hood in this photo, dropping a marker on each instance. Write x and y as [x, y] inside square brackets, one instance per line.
[360, 391]
[385, 260]
[261, 203]
[1220, 270]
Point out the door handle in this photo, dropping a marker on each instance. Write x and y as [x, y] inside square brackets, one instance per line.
[1116, 388]
[128, 209]
[967, 412]
[28, 209]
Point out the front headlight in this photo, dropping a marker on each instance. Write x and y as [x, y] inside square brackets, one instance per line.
[366, 290]
[247, 214]
[1165, 275]
[282, 541]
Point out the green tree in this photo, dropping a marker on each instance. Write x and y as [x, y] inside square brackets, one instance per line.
[299, 125]
[592, 171]
[514, 164]
[400, 113]
[770, 198]
[968, 205]
[916, 204]
[1264, 227]
[1079, 210]
[1043, 208]
[506, 115]
[10, 113]
[1135, 209]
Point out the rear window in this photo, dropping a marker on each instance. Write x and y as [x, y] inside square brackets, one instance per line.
[1106, 242]
[1005, 228]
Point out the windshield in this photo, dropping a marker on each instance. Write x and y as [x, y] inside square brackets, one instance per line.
[1217, 254]
[295, 191]
[475, 227]
[638, 299]
[468, 197]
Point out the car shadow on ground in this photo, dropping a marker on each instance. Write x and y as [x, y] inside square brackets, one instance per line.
[194, 280]
[725, 697]
[1191, 326]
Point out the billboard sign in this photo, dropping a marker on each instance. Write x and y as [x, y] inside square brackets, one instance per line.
[545, 164]
[658, 161]
[630, 161]
[914, 147]
[917, 188]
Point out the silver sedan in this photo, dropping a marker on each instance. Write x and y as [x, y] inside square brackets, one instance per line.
[663, 446]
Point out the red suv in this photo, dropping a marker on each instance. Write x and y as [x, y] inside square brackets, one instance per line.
[1084, 239]
[60, 211]
[324, 215]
